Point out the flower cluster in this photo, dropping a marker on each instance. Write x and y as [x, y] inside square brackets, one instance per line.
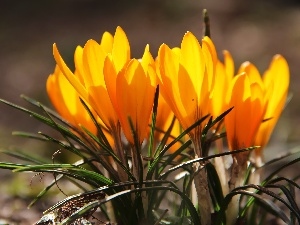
[193, 83]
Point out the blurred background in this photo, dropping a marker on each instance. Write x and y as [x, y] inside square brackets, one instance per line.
[251, 30]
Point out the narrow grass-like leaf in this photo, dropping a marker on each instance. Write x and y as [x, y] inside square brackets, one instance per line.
[49, 111]
[44, 191]
[48, 121]
[289, 181]
[153, 122]
[174, 155]
[268, 205]
[266, 191]
[44, 167]
[137, 161]
[281, 168]
[72, 149]
[113, 155]
[23, 156]
[211, 123]
[104, 140]
[280, 160]
[273, 174]
[164, 139]
[11, 166]
[39, 117]
[48, 187]
[215, 186]
[71, 170]
[203, 160]
[136, 157]
[153, 165]
[187, 183]
[289, 197]
[28, 135]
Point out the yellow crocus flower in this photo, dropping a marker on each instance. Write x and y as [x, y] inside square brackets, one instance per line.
[244, 120]
[186, 80]
[131, 90]
[66, 101]
[276, 80]
[274, 84]
[90, 83]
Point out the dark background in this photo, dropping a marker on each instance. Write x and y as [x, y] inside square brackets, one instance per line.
[250, 30]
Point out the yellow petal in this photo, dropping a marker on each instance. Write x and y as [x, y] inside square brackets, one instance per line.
[252, 73]
[100, 100]
[138, 101]
[121, 49]
[239, 98]
[107, 42]
[93, 62]
[207, 43]
[219, 90]
[66, 101]
[169, 69]
[211, 59]
[147, 58]
[110, 77]
[78, 64]
[193, 63]
[276, 80]
[69, 75]
[229, 64]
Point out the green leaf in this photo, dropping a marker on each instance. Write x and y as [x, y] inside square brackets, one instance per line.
[87, 176]
[215, 186]
[266, 203]
[157, 159]
[10, 166]
[204, 159]
[153, 122]
[23, 156]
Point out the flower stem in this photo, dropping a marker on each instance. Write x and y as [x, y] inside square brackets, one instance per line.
[238, 172]
[201, 185]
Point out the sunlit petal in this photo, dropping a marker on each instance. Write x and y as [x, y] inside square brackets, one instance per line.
[106, 42]
[120, 49]
[69, 75]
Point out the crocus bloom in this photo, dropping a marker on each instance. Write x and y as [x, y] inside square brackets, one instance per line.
[243, 121]
[66, 101]
[131, 89]
[276, 81]
[89, 62]
[186, 80]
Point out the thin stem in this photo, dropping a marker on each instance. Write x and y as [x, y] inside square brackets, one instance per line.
[238, 173]
[201, 185]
